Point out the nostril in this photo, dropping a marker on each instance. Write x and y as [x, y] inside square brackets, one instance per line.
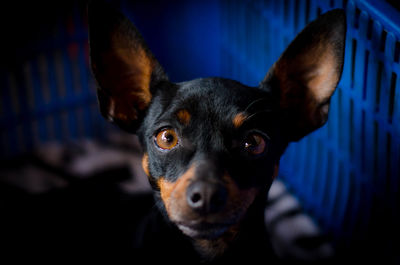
[196, 196]
[206, 197]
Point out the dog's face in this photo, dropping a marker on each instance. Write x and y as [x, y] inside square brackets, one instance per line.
[213, 145]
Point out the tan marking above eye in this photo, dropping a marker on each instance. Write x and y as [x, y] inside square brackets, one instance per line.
[183, 116]
[166, 139]
[255, 144]
[239, 119]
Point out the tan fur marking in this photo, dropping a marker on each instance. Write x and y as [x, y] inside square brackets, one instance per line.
[145, 164]
[183, 116]
[239, 119]
[173, 193]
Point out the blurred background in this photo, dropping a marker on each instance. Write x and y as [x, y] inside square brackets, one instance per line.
[64, 170]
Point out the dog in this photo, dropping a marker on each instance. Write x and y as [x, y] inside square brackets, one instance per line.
[212, 145]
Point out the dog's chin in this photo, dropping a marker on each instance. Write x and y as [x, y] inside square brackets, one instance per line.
[203, 230]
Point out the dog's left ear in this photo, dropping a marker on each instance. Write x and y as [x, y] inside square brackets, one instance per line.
[307, 73]
[125, 70]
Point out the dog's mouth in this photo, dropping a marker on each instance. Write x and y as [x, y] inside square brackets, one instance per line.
[203, 230]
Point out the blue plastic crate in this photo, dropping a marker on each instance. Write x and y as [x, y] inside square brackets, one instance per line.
[347, 173]
[49, 95]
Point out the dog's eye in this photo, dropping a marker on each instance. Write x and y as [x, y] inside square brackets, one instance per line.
[255, 144]
[166, 139]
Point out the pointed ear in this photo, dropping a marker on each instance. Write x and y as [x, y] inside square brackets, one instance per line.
[125, 70]
[307, 73]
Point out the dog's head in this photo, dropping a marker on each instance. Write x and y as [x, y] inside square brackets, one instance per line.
[212, 145]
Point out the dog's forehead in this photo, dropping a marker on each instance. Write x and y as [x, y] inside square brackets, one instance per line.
[206, 103]
[211, 94]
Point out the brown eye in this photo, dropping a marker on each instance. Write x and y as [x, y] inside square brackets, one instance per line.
[255, 144]
[166, 139]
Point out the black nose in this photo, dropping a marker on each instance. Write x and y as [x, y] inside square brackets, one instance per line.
[206, 197]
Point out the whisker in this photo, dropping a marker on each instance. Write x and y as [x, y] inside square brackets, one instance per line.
[258, 112]
[254, 102]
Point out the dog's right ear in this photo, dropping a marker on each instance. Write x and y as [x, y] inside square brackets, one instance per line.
[125, 70]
